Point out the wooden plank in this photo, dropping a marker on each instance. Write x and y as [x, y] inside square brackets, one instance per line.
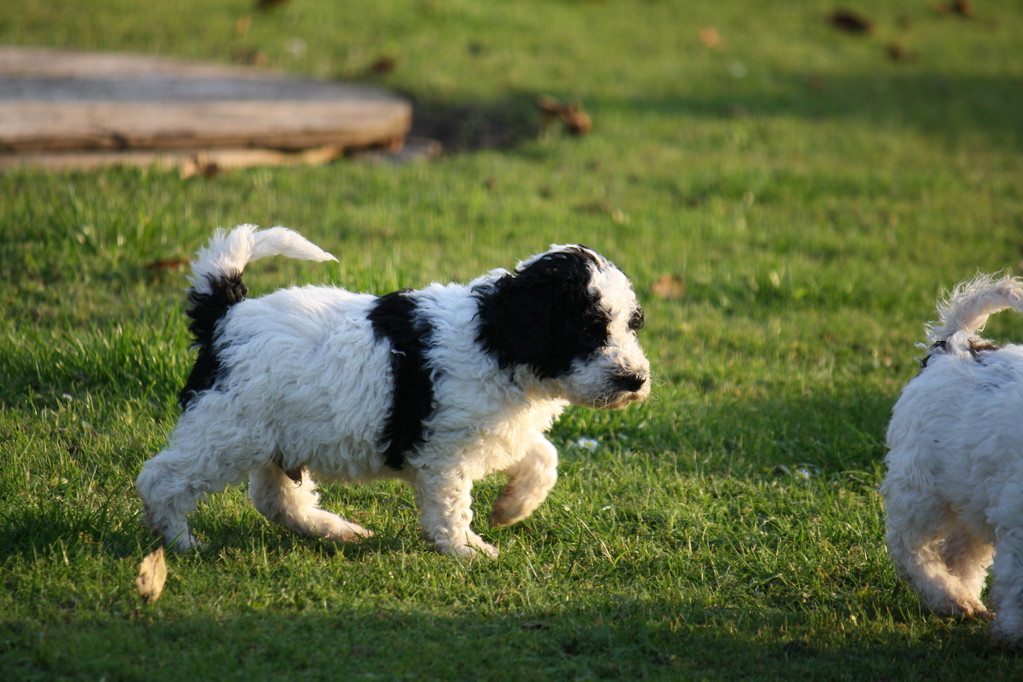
[55, 100]
[40, 61]
[207, 162]
[188, 162]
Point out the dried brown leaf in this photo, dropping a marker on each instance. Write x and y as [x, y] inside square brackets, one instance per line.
[383, 64]
[898, 52]
[851, 22]
[669, 287]
[167, 264]
[571, 115]
[152, 576]
[710, 37]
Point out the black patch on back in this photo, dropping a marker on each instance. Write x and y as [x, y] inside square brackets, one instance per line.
[396, 320]
[206, 311]
[544, 316]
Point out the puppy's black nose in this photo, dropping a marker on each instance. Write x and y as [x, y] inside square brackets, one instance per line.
[628, 382]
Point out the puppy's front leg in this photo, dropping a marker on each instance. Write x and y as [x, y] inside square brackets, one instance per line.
[444, 498]
[529, 481]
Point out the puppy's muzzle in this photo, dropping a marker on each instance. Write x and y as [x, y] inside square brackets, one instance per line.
[625, 388]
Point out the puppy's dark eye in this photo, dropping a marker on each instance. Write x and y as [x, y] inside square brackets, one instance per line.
[593, 335]
[592, 332]
[637, 320]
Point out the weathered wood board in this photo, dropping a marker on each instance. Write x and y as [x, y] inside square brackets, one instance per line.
[60, 101]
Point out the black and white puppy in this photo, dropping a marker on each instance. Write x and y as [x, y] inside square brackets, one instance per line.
[438, 387]
[954, 489]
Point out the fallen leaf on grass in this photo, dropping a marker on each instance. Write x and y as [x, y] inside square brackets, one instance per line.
[669, 287]
[576, 120]
[898, 52]
[383, 64]
[152, 576]
[962, 8]
[617, 214]
[851, 22]
[710, 37]
[199, 164]
[167, 264]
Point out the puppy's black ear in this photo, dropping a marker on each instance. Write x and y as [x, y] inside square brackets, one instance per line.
[543, 316]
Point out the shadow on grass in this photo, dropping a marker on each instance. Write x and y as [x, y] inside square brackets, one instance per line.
[472, 126]
[937, 104]
[56, 524]
[942, 105]
[603, 640]
[114, 528]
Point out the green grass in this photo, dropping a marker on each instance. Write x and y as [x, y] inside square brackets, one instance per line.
[813, 195]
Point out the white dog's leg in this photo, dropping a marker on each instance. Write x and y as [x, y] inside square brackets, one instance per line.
[968, 558]
[170, 485]
[200, 460]
[444, 499]
[168, 497]
[529, 481]
[1007, 588]
[296, 506]
[944, 575]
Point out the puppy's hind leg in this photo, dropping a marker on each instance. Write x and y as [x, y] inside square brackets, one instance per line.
[529, 481]
[169, 494]
[968, 558]
[207, 453]
[171, 483]
[917, 526]
[295, 505]
[1007, 588]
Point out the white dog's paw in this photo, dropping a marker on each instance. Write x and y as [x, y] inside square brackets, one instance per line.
[473, 551]
[507, 511]
[959, 606]
[974, 608]
[509, 507]
[333, 528]
[473, 547]
[183, 543]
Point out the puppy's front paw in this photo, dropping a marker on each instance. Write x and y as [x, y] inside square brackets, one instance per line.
[473, 547]
[973, 608]
[508, 508]
[472, 551]
[184, 543]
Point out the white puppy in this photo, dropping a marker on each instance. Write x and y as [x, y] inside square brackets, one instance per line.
[438, 387]
[954, 489]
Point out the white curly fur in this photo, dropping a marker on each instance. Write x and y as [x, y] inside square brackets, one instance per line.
[308, 386]
[954, 488]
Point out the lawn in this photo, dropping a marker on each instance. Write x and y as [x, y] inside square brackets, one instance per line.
[789, 199]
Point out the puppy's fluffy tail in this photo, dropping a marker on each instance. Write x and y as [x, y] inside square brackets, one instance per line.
[965, 311]
[227, 254]
[216, 285]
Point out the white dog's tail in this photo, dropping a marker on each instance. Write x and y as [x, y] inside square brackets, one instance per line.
[217, 285]
[227, 253]
[965, 311]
